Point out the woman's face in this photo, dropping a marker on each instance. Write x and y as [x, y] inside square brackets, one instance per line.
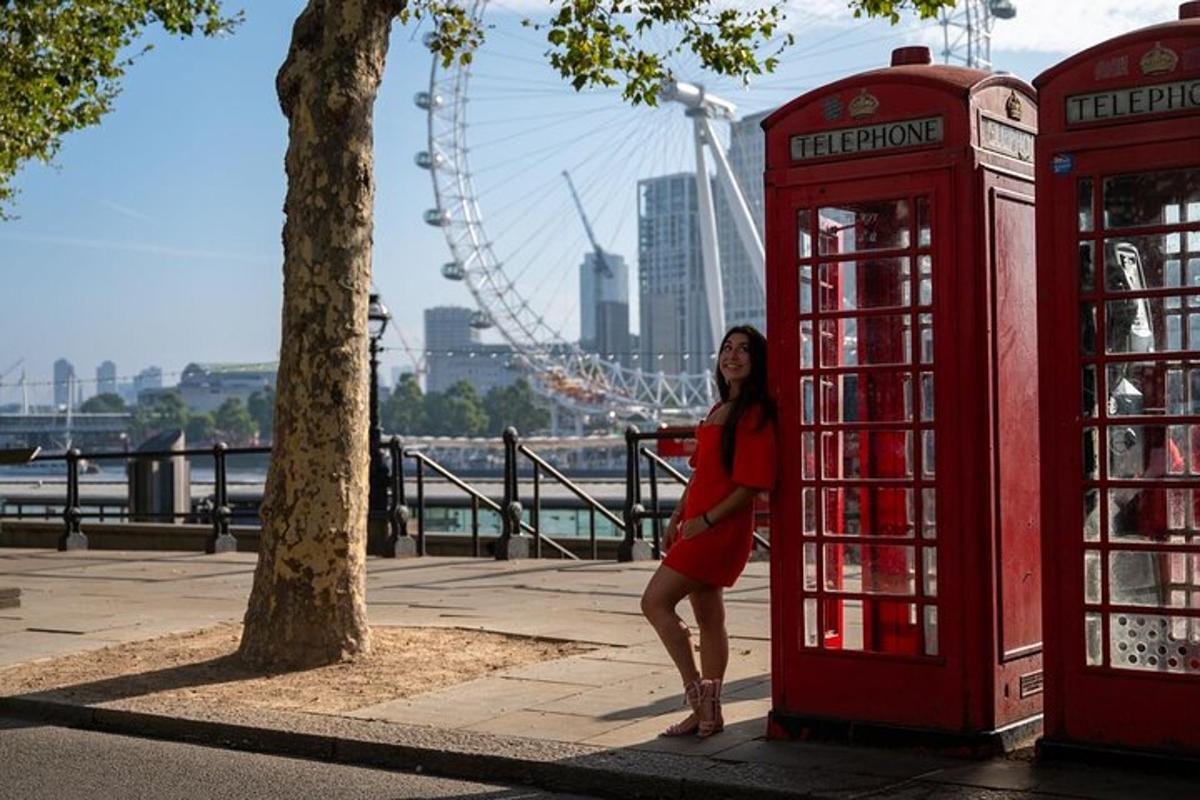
[734, 358]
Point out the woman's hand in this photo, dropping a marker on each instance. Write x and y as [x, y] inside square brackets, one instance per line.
[693, 527]
[670, 534]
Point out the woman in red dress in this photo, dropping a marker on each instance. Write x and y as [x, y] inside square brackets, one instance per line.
[709, 537]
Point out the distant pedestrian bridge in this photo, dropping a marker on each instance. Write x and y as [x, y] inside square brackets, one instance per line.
[61, 425]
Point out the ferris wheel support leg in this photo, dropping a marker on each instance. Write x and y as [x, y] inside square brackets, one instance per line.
[713, 289]
[747, 230]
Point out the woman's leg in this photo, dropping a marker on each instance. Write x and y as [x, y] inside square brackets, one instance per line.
[666, 588]
[708, 603]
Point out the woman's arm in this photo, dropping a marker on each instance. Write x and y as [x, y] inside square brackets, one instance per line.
[733, 501]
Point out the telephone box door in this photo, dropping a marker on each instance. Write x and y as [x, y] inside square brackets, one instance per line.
[860, 310]
[1127, 548]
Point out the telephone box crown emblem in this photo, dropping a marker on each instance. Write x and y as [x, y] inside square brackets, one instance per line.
[864, 104]
[1158, 60]
[1012, 106]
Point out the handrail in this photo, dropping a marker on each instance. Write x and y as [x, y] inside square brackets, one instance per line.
[421, 458]
[571, 485]
[664, 465]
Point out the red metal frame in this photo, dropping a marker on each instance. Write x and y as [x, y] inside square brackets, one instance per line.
[1107, 683]
[849, 546]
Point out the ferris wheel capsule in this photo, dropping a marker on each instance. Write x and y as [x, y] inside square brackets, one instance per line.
[480, 320]
[428, 160]
[437, 217]
[452, 270]
[427, 100]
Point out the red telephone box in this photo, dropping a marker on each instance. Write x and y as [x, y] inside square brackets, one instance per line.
[1118, 175]
[900, 295]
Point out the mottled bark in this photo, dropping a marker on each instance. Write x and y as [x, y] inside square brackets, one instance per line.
[307, 605]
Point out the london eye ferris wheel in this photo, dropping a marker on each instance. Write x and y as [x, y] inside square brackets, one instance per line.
[503, 130]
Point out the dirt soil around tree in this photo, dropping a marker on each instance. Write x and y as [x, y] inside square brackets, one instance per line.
[201, 666]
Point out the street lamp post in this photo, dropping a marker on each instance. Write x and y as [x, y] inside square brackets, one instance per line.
[378, 317]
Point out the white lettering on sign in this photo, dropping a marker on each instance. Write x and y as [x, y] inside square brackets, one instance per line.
[1157, 99]
[1006, 139]
[868, 138]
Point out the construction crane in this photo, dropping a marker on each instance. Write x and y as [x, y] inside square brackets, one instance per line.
[8, 371]
[601, 259]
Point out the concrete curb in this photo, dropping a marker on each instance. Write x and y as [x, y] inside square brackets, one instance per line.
[616, 773]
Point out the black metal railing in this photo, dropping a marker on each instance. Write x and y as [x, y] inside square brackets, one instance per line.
[218, 511]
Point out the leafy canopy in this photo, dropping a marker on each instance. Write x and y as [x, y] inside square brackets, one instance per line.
[61, 64]
[61, 61]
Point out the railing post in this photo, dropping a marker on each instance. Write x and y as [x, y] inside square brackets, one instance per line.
[420, 507]
[399, 544]
[537, 511]
[73, 537]
[655, 519]
[221, 541]
[513, 544]
[633, 547]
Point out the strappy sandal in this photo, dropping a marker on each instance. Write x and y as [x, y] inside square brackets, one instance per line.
[710, 718]
[688, 726]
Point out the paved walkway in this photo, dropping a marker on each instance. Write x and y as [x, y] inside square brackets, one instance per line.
[584, 723]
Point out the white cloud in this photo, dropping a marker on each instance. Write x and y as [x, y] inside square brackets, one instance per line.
[1072, 25]
[138, 247]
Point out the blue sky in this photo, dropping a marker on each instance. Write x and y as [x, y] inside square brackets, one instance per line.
[154, 237]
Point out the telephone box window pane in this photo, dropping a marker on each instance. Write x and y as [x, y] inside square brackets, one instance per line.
[1091, 515]
[870, 569]
[926, 396]
[1174, 646]
[1091, 577]
[926, 322]
[929, 513]
[925, 267]
[1086, 217]
[1087, 329]
[867, 454]
[929, 571]
[806, 289]
[1147, 578]
[1089, 391]
[928, 453]
[868, 511]
[807, 401]
[1152, 198]
[924, 223]
[1148, 514]
[806, 344]
[877, 626]
[1153, 388]
[810, 567]
[1087, 267]
[931, 631]
[865, 341]
[808, 502]
[869, 283]
[1137, 263]
[867, 397]
[811, 628]
[1150, 451]
[857, 227]
[1093, 638]
[1151, 325]
[808, 455]
[1091, 447]
[804, 233]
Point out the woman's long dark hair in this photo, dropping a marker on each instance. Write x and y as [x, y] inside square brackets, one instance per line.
[753, 392]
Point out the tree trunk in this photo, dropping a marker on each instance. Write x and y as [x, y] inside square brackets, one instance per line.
[307, 605]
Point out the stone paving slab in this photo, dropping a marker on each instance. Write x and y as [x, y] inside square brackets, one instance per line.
[587, 723]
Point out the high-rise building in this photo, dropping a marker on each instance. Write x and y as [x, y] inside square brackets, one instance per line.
[448, 328]
[744, 298]
[674, 330]
[106, 378]
[604, 306]
[148, 379]
[64, 383]
[454, 353]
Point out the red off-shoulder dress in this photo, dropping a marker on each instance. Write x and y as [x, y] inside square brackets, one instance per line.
[718, 555]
